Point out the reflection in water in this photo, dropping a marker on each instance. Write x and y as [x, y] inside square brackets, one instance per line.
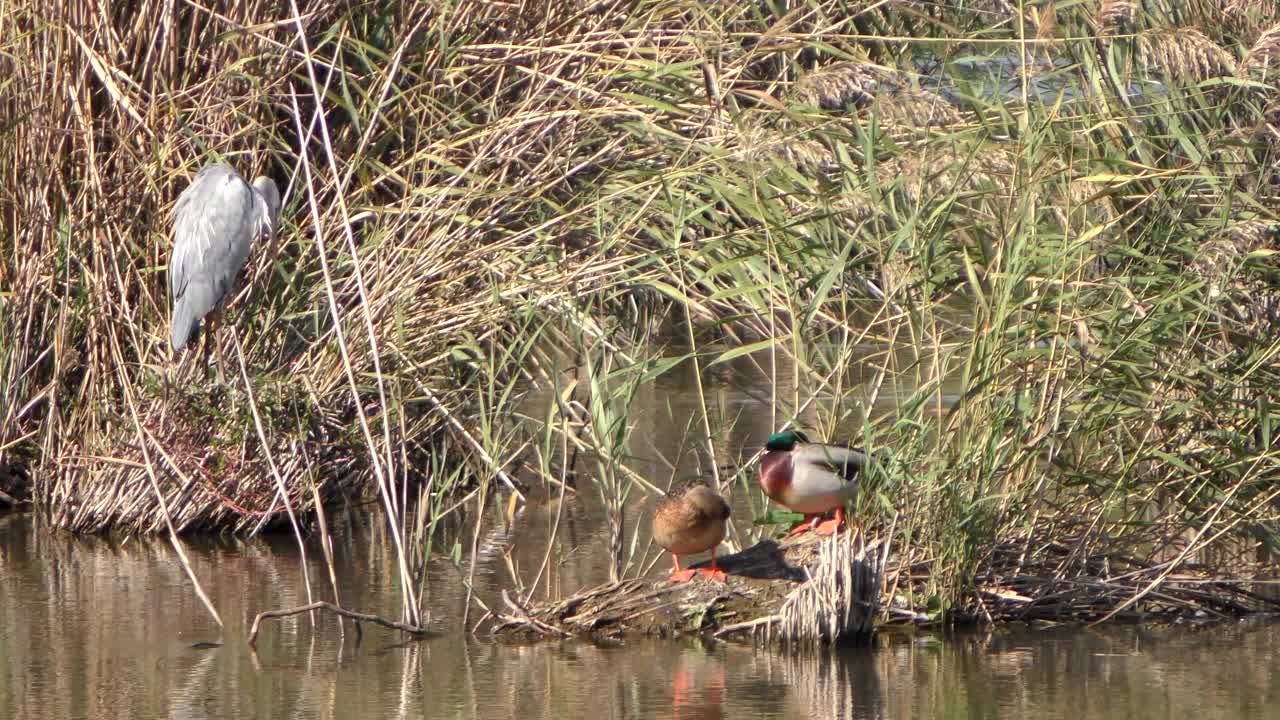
[97, 629]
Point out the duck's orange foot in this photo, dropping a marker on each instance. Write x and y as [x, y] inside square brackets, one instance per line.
[683, 576]
[713, 573]
[805, 525]
[828, 527]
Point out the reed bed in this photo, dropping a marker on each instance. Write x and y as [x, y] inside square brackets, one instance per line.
[1081, 241]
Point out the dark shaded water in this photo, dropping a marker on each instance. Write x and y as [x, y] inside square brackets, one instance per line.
[95, 629]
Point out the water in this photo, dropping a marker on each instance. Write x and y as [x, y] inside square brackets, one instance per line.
[96, 629]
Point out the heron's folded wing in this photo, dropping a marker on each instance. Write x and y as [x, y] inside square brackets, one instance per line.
[213, 229]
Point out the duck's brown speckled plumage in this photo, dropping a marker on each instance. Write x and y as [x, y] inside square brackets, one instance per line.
[690, 522]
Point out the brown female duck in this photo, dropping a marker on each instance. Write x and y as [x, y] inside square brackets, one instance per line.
[691, 521]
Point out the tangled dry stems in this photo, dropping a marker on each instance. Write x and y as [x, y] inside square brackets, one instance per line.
[1116, 16]
[841, 599]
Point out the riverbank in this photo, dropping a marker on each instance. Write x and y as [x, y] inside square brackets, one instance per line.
[810, 591]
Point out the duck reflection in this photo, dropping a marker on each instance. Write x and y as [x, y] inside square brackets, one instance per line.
[698, 687]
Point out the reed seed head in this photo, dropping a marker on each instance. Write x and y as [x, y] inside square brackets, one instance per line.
[1264, 56]
[1183, 54]
[834, 86]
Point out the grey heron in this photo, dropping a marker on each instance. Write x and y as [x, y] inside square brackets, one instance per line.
[215, 223]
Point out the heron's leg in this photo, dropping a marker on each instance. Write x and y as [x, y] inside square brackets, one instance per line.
[222, 375]
[170, 370]
[215, 320]
[204, 349]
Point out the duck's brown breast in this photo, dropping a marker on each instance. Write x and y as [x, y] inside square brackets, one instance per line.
[775, 474]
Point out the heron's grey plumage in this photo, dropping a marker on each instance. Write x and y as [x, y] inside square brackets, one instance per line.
[270, 196]
[215, 222]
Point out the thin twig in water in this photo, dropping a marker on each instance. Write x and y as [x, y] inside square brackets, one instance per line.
[359, 617]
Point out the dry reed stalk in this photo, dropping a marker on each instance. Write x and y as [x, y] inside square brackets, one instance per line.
[382, 462]
[144, 439]
[1183, 54]
[281, 487]
[841, 599]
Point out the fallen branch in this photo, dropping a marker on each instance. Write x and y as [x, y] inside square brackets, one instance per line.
[356, 616]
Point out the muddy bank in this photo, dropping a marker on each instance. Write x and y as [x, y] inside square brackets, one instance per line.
[807, 589]
[825, 590]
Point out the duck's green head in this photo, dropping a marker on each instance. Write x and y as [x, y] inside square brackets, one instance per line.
[785, 441]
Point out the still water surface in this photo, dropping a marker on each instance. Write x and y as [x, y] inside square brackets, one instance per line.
[96, 629]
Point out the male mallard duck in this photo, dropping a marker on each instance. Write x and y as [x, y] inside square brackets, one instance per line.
[691, 522]
[811, 478]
